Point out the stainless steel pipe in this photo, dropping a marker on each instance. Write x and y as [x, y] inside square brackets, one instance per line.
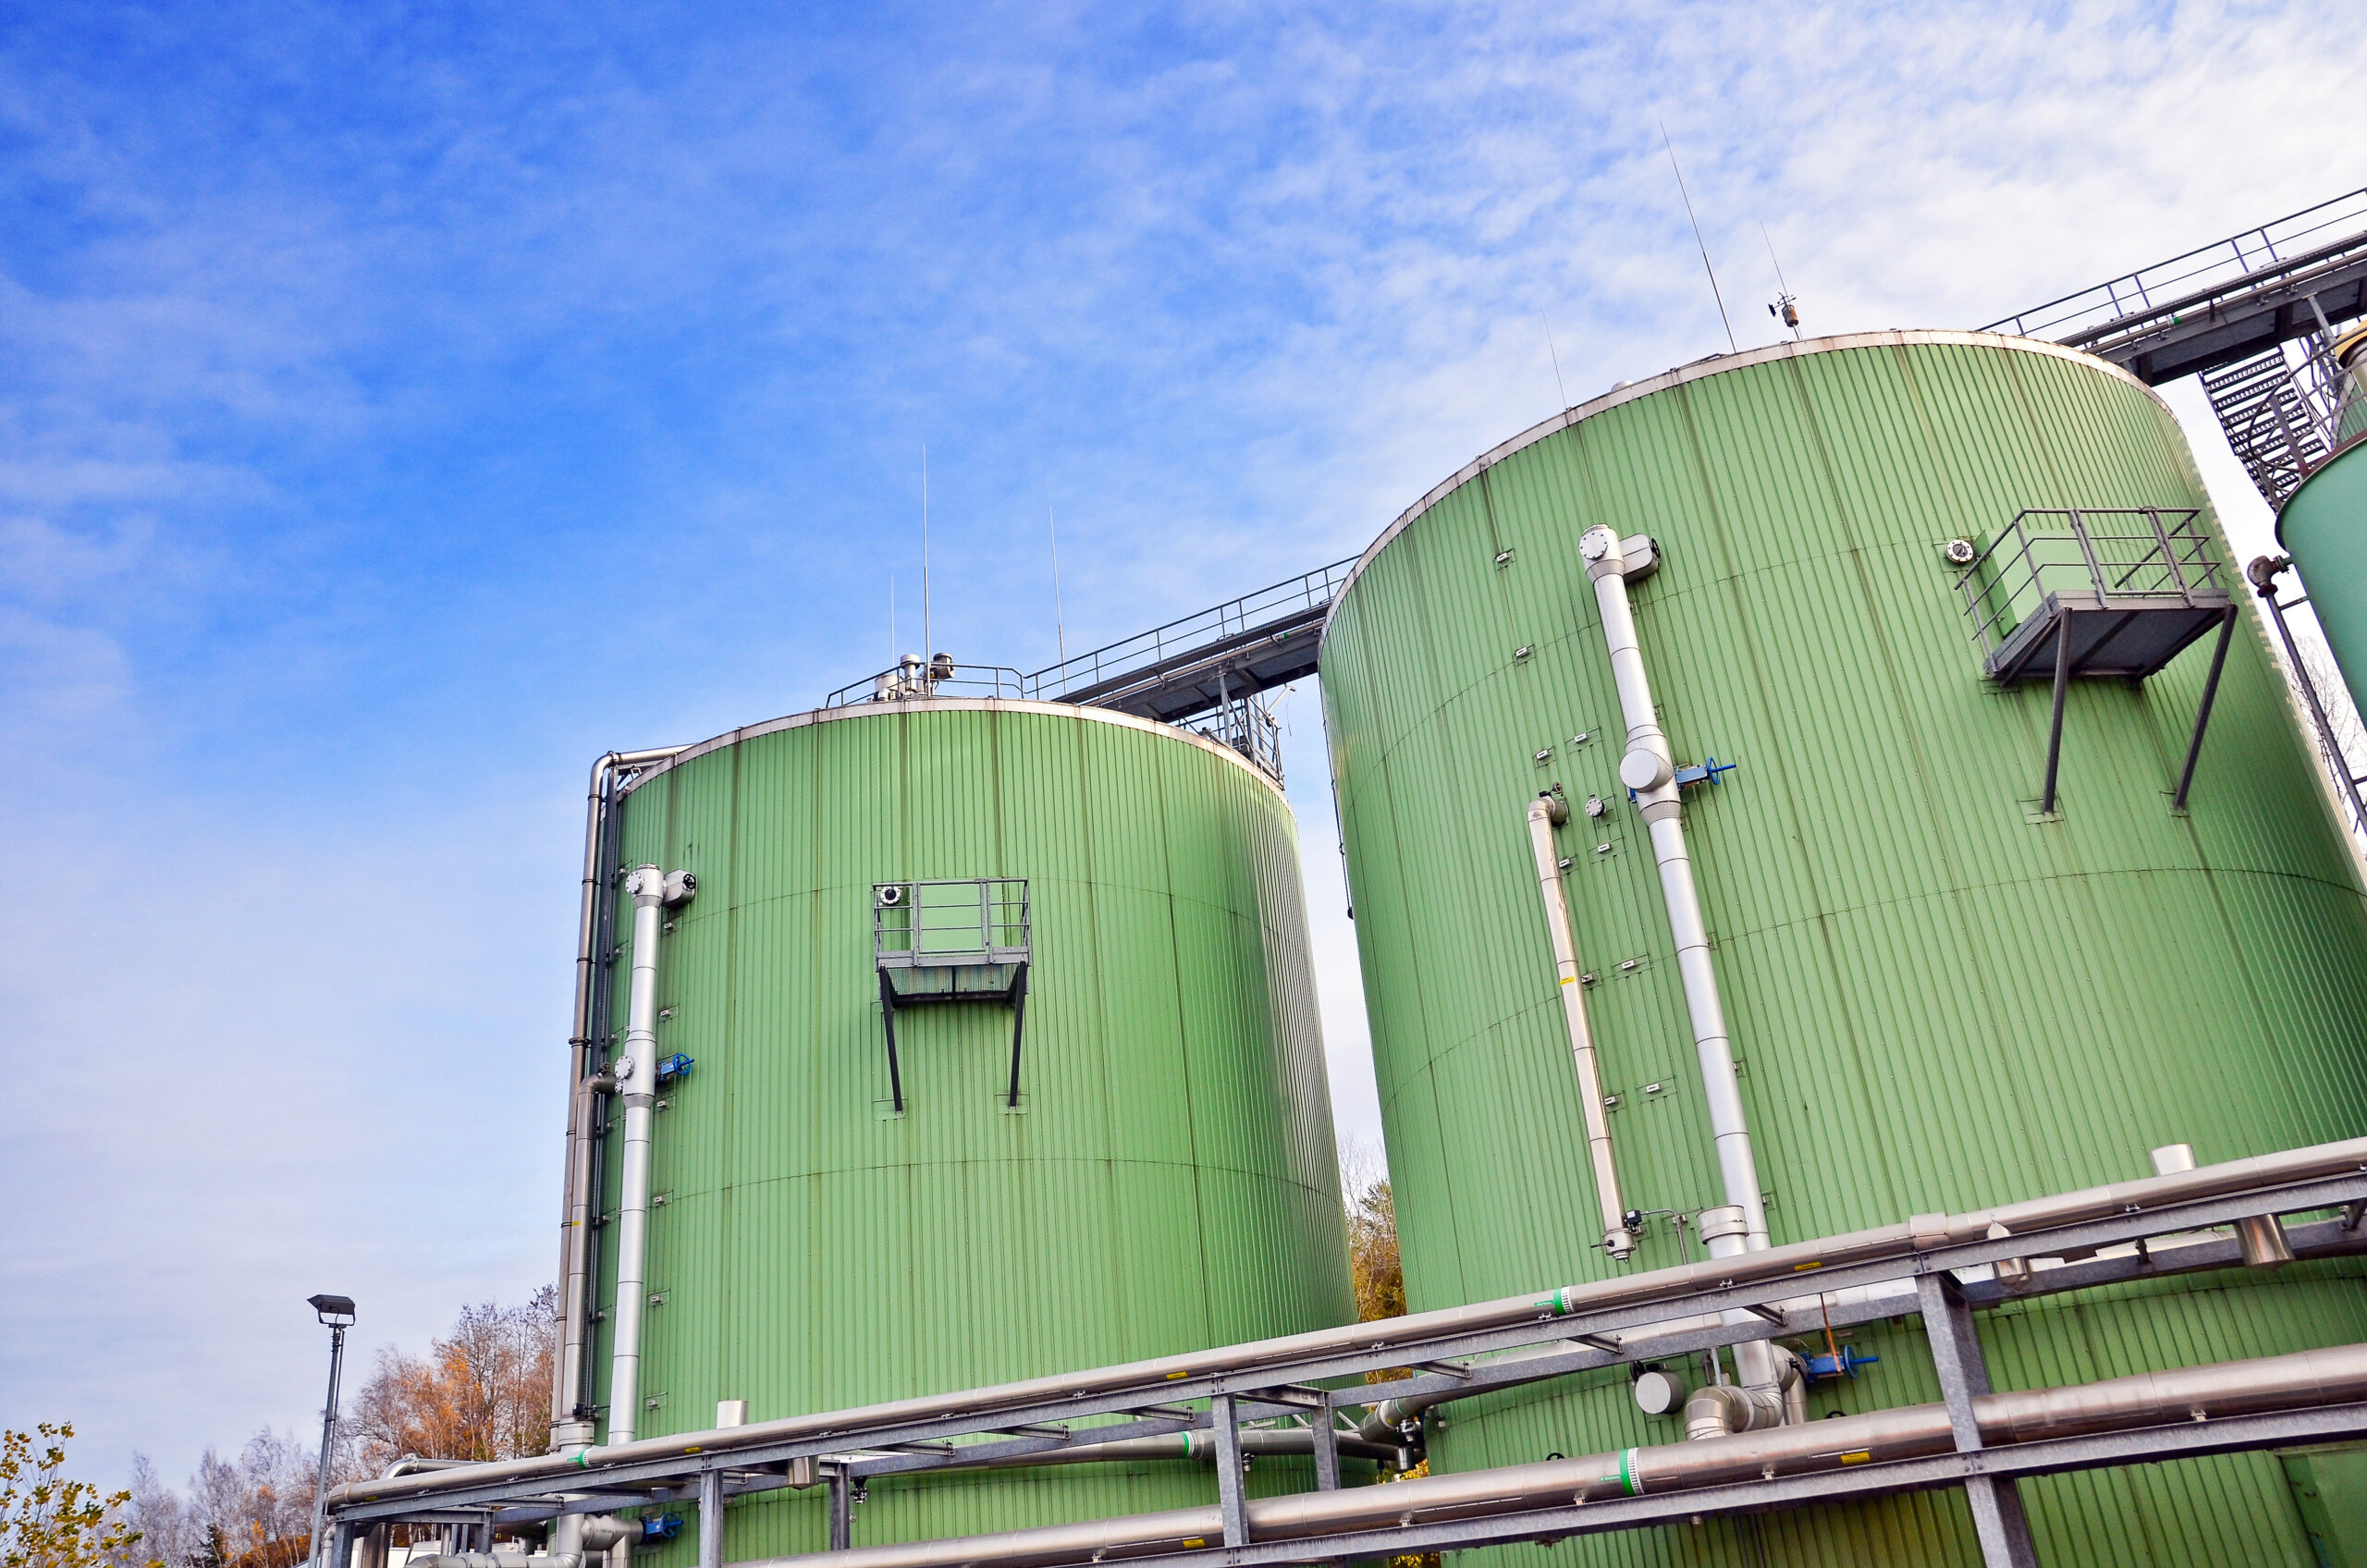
[1543, 817]
[2241, 1387]
[568, 1432]
[1794, 1262]
[1648, 768]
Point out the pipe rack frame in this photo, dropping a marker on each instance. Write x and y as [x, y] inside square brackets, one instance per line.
[2333, 1176]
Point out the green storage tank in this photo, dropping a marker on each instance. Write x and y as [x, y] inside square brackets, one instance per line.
[1940, 995]
[2323, 525]
[1166, 1181]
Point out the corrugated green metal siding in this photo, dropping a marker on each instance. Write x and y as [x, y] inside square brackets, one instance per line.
[1937, 1003]
[1169, 1184]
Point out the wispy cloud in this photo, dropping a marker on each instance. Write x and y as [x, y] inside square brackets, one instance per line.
[371, 379]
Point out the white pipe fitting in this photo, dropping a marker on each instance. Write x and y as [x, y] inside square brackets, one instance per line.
[1648, 768]
[639, 1086]
[1617, 1240]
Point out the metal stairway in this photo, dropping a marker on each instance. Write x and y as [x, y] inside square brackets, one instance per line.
[2270, 430]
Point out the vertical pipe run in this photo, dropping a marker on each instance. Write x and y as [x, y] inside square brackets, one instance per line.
[1617, 1240]
[2264, 573]
[568, 1431]
[1649, 769]
[639, 1089]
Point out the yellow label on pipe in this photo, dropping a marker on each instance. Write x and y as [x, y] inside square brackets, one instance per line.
[1857, 1458]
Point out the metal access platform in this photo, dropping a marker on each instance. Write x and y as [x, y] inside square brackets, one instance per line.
[2083, 593]
[2116, 591]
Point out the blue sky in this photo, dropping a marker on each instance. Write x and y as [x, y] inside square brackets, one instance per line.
[400, 406]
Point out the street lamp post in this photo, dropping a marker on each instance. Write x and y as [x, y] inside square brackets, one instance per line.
[337, 1313]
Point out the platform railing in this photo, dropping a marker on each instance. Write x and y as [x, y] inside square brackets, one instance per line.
[912, 680]
[2114, 553]
[1147, 650]
[2142, 293]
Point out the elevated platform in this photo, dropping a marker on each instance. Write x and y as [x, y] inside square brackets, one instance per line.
[2083, 593]
[2129, 638]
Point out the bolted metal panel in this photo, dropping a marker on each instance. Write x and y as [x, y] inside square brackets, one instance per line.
[1937, 1002]
[1167, 1182]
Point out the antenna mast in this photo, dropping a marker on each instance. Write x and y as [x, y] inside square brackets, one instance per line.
[1059, 624]
[1714, 292]
[928, 636]
[1557, 360]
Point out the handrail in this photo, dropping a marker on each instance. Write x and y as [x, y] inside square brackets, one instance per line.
[2013, 575]
[2300, 421]
[2134, 293]
[1309, 591]
[910, 679]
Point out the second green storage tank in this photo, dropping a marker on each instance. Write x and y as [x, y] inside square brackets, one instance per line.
[1167, 1181]
[1940, 996]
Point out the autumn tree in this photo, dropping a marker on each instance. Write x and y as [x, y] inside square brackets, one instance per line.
[47, 1521]
[481, 1392]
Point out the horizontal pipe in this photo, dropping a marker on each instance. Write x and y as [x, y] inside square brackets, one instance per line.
[1202, 1446]
[500, 1560]
[1799, 1261]
[2196, 1393]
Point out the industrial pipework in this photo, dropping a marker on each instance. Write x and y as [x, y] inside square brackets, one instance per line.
[569, 1429]
[1545, 814]
[1648, 768]
[2190, 1394]
[1417, 1332]
[636, 1073]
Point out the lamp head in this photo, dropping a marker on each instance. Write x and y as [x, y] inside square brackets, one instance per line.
[334, 1311]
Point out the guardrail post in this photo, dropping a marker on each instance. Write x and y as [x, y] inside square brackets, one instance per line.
[1997, 1516]
[842, 1508]
[1229, 1477]
[710, 1519]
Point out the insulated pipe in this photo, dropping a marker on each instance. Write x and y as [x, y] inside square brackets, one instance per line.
[1922, 1233]
[1201, 1446]
[648, 886]
[575, 1201]
[500, 1560]
[1617, 1240]
[2228, 1389]
[1650, 769]
[2241, 1388]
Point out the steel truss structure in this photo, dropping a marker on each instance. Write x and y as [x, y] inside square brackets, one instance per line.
[1946, 1283]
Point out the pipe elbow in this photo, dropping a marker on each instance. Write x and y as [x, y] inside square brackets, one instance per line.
[1723, 1410]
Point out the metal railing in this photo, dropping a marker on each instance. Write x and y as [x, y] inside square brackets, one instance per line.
[2154, 553]
[969, 922]
[1234, 618]
[2286, 241]
[2300, 419]
[1249, 726]
[912, 679]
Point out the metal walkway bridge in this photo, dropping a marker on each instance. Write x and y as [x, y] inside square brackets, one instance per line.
[2226, 312]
